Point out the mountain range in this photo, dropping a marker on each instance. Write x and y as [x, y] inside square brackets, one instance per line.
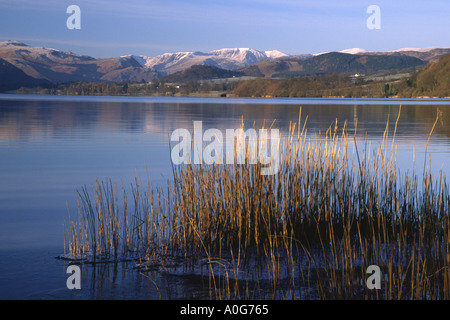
[229, 59]
[24, 65]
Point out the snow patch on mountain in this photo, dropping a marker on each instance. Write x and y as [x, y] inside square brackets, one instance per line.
[354, 51]
[275, 54]
[419, 49]
[227, 58]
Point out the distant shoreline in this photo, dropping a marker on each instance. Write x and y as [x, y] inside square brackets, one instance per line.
[235, 100]
[226, 95]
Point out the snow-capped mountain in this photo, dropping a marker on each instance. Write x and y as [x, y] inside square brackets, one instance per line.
[348, 51]
[354, 51]
[228, 58]
[275, 54]
[418, 49]
[402, 50]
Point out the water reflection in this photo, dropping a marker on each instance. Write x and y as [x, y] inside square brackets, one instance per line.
[22, 120]
[92, 124]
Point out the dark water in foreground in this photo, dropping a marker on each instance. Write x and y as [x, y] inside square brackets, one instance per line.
[51, 146]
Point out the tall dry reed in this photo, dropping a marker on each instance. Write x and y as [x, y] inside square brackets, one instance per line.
[308, 232]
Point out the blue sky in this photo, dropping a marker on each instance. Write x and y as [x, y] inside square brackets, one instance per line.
[112, 28]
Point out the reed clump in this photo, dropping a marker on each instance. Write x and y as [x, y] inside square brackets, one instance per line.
[308, 232]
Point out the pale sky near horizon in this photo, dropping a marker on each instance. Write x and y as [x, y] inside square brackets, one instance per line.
[112, 28]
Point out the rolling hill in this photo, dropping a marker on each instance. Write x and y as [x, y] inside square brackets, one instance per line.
[12, 77]
[54, 66]
[334, 62]
[200, 72]
[432, 81]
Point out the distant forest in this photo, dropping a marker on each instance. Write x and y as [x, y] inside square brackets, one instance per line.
[431, 81]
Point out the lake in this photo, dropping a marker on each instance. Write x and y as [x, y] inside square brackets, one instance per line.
[51, 146]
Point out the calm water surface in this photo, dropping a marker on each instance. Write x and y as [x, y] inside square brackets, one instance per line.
[52, 146]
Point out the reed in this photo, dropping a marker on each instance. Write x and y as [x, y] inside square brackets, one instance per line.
[309, 232]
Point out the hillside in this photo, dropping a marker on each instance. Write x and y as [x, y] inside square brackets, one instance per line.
[200, 72]
[432, 81]
[54, 66]
[12, 77]
[425, 54]
[326, 85]
[334, 62]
